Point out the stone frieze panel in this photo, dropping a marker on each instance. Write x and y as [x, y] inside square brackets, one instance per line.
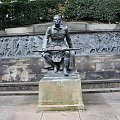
[97, 43]
[20, 46]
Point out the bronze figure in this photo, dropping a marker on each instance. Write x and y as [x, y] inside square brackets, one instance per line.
[56, 41]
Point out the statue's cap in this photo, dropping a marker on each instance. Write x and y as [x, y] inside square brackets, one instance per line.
[57, 16]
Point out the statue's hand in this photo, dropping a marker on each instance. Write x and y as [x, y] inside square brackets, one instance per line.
[72, 52]
[43, 53]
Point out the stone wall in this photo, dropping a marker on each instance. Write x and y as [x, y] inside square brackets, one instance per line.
[98, 57]
[32, 69]
[16, 70]
[90, 43]
[99, 67]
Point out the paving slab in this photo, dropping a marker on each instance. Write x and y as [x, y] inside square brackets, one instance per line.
[93, 99]
[113, 99]
[66, 115]
[7, 104]
[10, 100]
[27, 116]
[98, 106]
[6, 113]
[98, 112]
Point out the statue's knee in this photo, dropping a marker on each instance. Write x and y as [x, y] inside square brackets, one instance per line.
[45, 55]
[72, 53]
[67, 54]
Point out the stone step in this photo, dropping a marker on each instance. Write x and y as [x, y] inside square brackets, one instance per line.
[4, 93]
[19, 86]
[101, 90]
[84, 91]
[86, 84]
[95, 84]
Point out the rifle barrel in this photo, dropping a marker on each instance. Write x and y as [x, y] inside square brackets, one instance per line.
[67, 49]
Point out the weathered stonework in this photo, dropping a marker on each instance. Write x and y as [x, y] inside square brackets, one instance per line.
[104, 67]
[98, 57]
[57, 92]
[16, 70]
[95, 43]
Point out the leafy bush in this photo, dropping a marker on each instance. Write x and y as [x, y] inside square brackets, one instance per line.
[100, 10]
[25, 12]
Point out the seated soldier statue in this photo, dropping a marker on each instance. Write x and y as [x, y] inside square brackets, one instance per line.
[57, 38]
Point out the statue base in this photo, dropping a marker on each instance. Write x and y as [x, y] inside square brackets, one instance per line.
[58, 92]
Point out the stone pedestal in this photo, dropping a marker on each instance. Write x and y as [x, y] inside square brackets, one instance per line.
[57, 92]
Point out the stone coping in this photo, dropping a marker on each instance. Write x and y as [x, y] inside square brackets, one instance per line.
[41, 33]
[72, 27]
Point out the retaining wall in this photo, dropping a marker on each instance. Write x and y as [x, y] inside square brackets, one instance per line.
[98, 57]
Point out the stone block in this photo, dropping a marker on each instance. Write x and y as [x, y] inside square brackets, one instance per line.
[85, 66]
[109, 74]
[19, 30]
[117, 74]
[2, 32]
[101, 27]
[57, 92]
[24, 69]
[41, 28]
[117, 26]
[108, 65]
[117, 65]
[99, 66]
[104, 66]
[82, 75]
[94, 75]
[77, 26]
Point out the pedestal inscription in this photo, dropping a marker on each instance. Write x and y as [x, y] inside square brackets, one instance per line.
[57, 92]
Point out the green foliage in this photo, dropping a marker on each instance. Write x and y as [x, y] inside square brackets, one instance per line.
[25, 12]
[99, 10]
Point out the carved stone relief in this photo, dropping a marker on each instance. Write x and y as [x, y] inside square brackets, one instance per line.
[97, 43]
[21, 46]
[89, 44]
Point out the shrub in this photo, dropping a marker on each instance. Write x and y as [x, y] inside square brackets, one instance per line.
[100, 10]
[25, 12]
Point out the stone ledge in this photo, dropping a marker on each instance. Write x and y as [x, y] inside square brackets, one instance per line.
[2, 32]
[41, 28]
[72, 27]
[101, 27]
[19, 30]
[77, 26]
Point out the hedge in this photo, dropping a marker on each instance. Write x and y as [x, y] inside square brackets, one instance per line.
[95, 10]
[31, 12]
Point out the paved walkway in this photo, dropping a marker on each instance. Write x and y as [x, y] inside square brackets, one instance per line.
[98, 107]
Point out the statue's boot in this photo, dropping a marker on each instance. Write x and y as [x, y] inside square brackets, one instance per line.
[55, 68]
[65, 71]
[49, 60]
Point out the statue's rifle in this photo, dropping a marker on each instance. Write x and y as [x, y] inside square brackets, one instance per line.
[55, 50]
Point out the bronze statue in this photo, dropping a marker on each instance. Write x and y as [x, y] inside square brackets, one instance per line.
[57, 46]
